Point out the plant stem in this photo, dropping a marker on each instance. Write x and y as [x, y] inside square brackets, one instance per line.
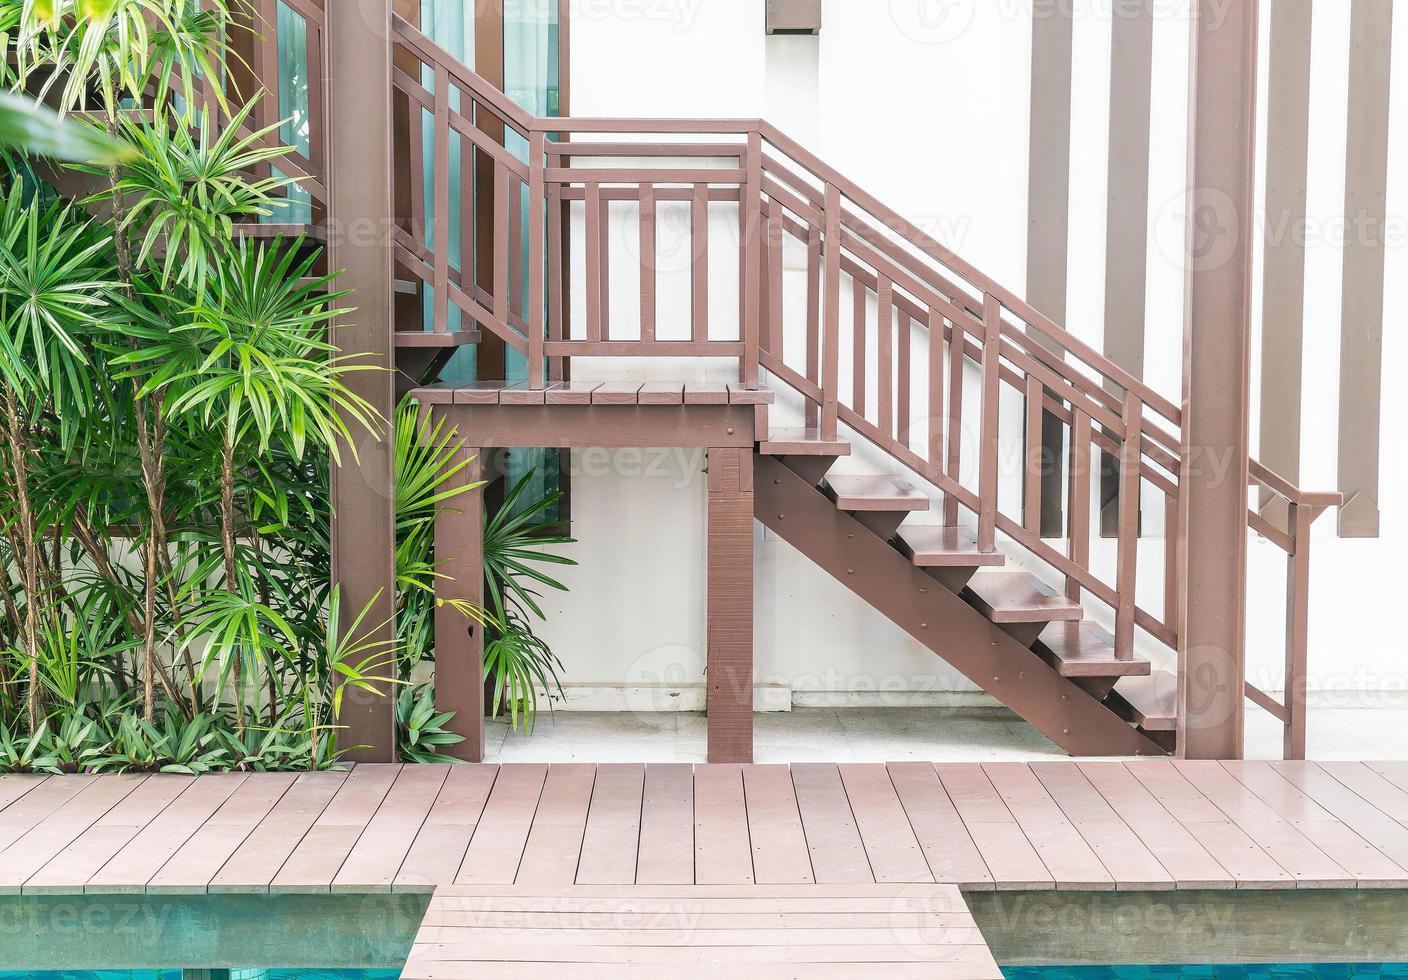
[29, 560]
[227, 540]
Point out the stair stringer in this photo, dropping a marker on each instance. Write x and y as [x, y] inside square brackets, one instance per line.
[956, 632]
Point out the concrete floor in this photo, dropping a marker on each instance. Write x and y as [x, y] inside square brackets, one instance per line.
[898, 735]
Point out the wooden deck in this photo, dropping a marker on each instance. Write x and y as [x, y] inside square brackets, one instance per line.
[641, 931]
[1145, 825]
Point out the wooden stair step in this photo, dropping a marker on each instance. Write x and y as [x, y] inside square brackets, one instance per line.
[936, 546]
[430, 338]
[1020, 597]
[1150, 702]
[802, 442]
[1086, 649]
[874, 493]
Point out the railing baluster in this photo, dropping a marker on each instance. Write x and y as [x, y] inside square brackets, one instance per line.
[831, 364]
[774, 281]
[604, 239]
[501, 257]
[885, 355]
[814, 262]
[537, 202]
[988, 440]
[647, 263]
[953, 441]
[699, 269]
[1035, 457]
[934, 452]
[1078, 520]
[902, 381]
[1128, 552]
[1300, 517]
[556, 314]
[859, 294]
[595, 266]
[752, 207]
[441, 179]
[1171, 561]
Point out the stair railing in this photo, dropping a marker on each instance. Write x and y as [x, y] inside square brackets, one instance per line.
[906, 291]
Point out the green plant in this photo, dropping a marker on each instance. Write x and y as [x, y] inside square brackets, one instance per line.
[172, 744]
[421, 729]
[520, 664]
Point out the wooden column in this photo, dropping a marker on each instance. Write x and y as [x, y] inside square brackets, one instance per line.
[1213, 521]
[730, 605]
[459, 642]
[363, 498]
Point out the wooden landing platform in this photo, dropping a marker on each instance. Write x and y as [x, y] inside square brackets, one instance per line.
[641, 931]
[1136, 826]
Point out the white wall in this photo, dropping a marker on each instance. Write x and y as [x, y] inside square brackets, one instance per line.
[930, 114]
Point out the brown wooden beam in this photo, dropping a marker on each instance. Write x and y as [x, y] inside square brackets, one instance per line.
[363, 492]
[1217, 329]
[730, 605]
[459, 643]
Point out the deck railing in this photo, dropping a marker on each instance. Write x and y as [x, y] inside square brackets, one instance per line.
[923, 323]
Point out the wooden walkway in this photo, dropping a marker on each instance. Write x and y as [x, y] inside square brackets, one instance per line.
[1146, 825]
[694, 931]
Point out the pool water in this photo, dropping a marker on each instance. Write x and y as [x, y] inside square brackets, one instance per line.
[1255, 971]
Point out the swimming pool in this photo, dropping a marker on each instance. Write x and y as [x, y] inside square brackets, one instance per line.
[245, 974]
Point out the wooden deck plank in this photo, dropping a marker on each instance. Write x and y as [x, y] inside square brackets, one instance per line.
[443, 839]
[145, 854]
[1224, 840]
[1061, 848]
[779, 843]
[722, 854]
[1287, 846]
[1191, 865]
[662, 393]
[41, 800]
[554, 845]
[890, 842]
[1370, 782]
[611, 844]
[46, 839]
[14, 786]
[1010, 857]
[1356, 812]
[318, 857]
[838, 853]
[949, 850]
[1357, 856]
[497, 846]
[200, 859]
[67, 872]
[1132, 865]
[253, 865]
[1395, 772]
[373, 862]
[667, 826]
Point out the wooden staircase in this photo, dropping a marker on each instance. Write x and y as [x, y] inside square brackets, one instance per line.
[962, 603]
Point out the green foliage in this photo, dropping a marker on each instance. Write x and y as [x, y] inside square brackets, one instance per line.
[422, 731]
[28, 127]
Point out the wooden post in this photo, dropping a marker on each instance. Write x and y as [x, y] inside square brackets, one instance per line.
[360, 215]
[1213, 522]
[730, 605]
[1300, 517]
[459, 642]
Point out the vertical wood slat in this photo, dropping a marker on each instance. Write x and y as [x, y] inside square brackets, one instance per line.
[441, 179]
[1297, 630]
[556, 319]
[537, 283]
[1036, 456]
[699, 268]
[416, 125]
[988, 438]
[814, 263]
[317, 127]
[1078, 519]
[885, 354]
[594, 262]
[752, 207]
[515, 245]
[501, 245]
[902, 381]
[604, 237]
[774, 289]
[1128, 549]
[934, 451]
[831, 362]
[858, 346]
[953, 440]
[1171, 561]
[647, 262]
